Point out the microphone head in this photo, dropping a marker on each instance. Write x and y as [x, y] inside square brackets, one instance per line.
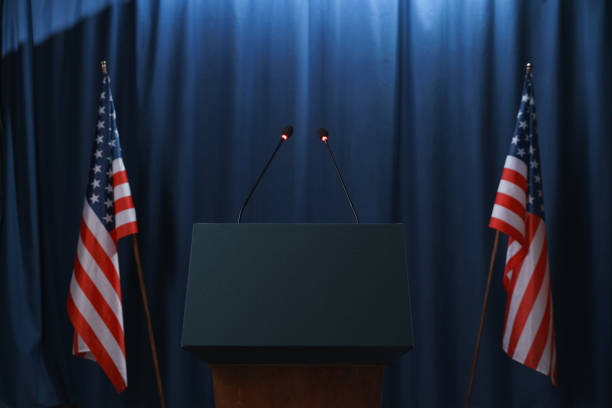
[286, 132]
[323, 135]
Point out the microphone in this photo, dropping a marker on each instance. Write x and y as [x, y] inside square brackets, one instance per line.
[324, 136]
[285, 135]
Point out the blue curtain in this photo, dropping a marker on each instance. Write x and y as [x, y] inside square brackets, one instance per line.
[420, 99]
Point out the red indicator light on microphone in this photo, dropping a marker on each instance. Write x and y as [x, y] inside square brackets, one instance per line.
[284, 137]
[324, 138]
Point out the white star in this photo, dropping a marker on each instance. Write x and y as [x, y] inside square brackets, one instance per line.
[112, 143]
[515, 139]
[94, 198]
[533, 115]
[530, 200]
[534, 164]
[519, 114]
[101, 110]
[109, 187]
[108, 203]
[520, 152]
[98, 154]
[99, 138]
[523, 124]
[532, 150]
[110, 97]
[100, 124]
[103, 95]
[95, 183]
[537, 178]
[108, 218]
[525, 98]
[114, 115]
[97, 169]
[109, 173]
[531, 101]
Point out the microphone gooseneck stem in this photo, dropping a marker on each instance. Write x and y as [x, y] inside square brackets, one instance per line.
[258, 180]
[346, 193]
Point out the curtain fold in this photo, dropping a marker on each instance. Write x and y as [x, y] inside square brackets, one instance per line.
[420, 99]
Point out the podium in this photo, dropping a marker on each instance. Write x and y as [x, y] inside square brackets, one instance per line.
[297, 315]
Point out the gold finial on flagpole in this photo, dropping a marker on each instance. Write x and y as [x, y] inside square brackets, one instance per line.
[104, 68]
[528, 68]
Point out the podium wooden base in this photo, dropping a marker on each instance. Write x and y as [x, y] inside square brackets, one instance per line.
[281, 386]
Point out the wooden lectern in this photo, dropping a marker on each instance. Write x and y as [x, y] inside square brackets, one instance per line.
[297, 315]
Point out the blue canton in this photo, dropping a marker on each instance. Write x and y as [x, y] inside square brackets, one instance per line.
[106, 148]
[524, 146]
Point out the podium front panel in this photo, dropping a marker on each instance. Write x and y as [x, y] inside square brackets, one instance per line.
[297, 293]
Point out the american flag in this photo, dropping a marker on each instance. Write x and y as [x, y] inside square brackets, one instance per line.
[94, 300]
[529, 333]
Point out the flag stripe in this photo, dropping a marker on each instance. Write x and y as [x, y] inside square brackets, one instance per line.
[531, 311]
[97, 325]
[91, 268]
[98, 301]
[509, 217]
[120, 178]
[541, 339]
[124, 230]
[92, 341]
[511, 204]
[124, 217]
[123, 204]
[101, 233]
[99, 256]
[514, 177]
[513, 190]
[122, 190]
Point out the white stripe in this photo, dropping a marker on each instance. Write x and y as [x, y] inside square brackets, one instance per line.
[513, 248]
[513, 190]
[530, 330]
[510, 217]
[101, 234]
[122, 190]
[515, 164]
[83, 350]
[544, 365]
[118, 165]
[96, 323]
[124, 217]
[529, 264]
[100, 280]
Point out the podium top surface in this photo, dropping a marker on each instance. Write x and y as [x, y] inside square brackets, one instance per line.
[299, 293]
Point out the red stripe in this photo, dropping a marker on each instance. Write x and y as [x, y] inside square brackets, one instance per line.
[124, 230]
[119, 178]
[504, 227]
[511, 204]
[97, 349]
[101, 258]
[539, 342]
[124, 203]
[99, 303]
[515, 177]
[529, 298]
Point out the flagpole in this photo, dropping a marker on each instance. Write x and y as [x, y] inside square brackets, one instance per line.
[143, 294]
[485, 301]
[482, 317]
